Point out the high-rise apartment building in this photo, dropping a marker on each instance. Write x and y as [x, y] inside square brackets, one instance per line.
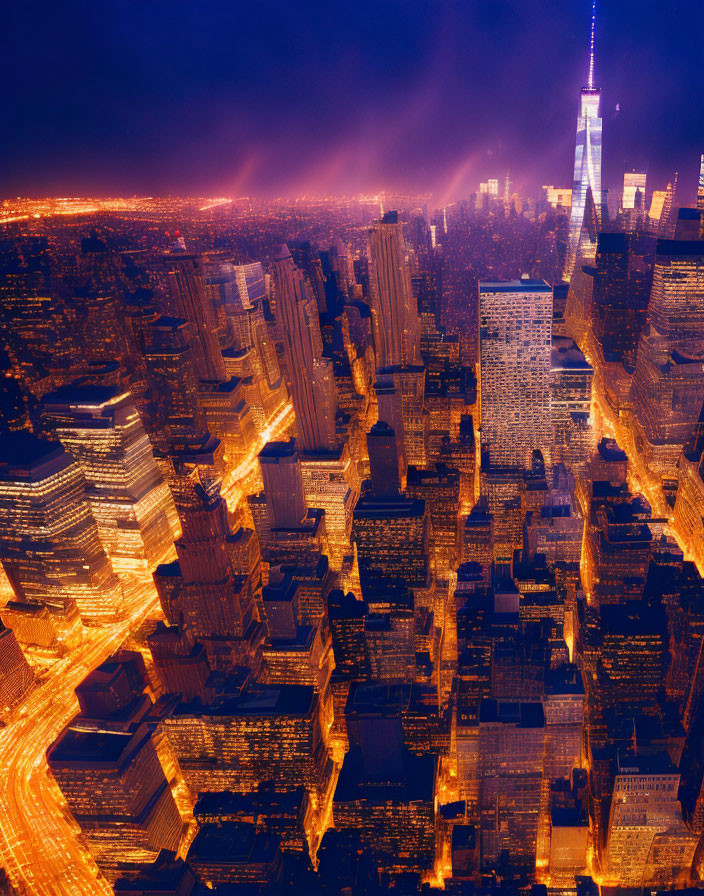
[515, 345]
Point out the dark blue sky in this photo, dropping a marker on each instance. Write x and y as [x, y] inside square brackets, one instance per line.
[270, 97]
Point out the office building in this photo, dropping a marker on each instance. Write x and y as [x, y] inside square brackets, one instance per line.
[510, 767]
[201, 589]
[116, 789]
[187, 297]
[391, 536]
[16, 676]
[648, 843]
[131, 503]
[515, 346]
[668, 381]
[50, 547]
[395, 321]
[309, 375]
[262, 734]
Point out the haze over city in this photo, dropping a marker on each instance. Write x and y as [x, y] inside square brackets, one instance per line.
[271, 98]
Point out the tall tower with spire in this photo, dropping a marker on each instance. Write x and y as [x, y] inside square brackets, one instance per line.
[587, 158]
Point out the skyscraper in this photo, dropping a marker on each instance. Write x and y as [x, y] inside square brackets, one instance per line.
[185, 278]
[16, 675]
[633, 182]
[131, 503]
[668, 383]
[395, 320]
[515, 344]
[633, 200]
[204, 589]
[310, 375]
[587, 158]
[50, 547]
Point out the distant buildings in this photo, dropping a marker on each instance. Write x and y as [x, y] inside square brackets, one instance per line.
[422, 628]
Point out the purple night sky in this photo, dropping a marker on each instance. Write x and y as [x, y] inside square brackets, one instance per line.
[280, 98]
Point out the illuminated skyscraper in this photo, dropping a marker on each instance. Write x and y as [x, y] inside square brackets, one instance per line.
[668, 384]
[700, 186]
[310, 375]
[647, 841]
[633, 182]
[203, 589]
[178, 415]
[260, 734]
[189, 298]
[16, 675]
[396, 324]
[587, 158]
[633, 200]
[49, 546]
[131, 503]
[108, 764]
[515, 344]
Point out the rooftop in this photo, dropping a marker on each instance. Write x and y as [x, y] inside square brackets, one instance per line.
[22, 454]
[520, 286]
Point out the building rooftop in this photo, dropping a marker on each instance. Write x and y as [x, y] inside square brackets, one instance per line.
[680, 248]
[283, 700]
[234, 842]
[25, 456]
[378, 699]
[89, 748]
[265, 801]
[520, 286]
[83, 395]
[415, 783]
[521, 714]
[274, 451]
[384, 508]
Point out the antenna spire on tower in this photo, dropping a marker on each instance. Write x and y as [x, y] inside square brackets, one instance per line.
[590, 83]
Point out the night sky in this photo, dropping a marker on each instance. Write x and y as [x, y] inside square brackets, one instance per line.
[116, 97]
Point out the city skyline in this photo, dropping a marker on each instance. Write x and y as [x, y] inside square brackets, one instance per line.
[432, 97]
[353, 544]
